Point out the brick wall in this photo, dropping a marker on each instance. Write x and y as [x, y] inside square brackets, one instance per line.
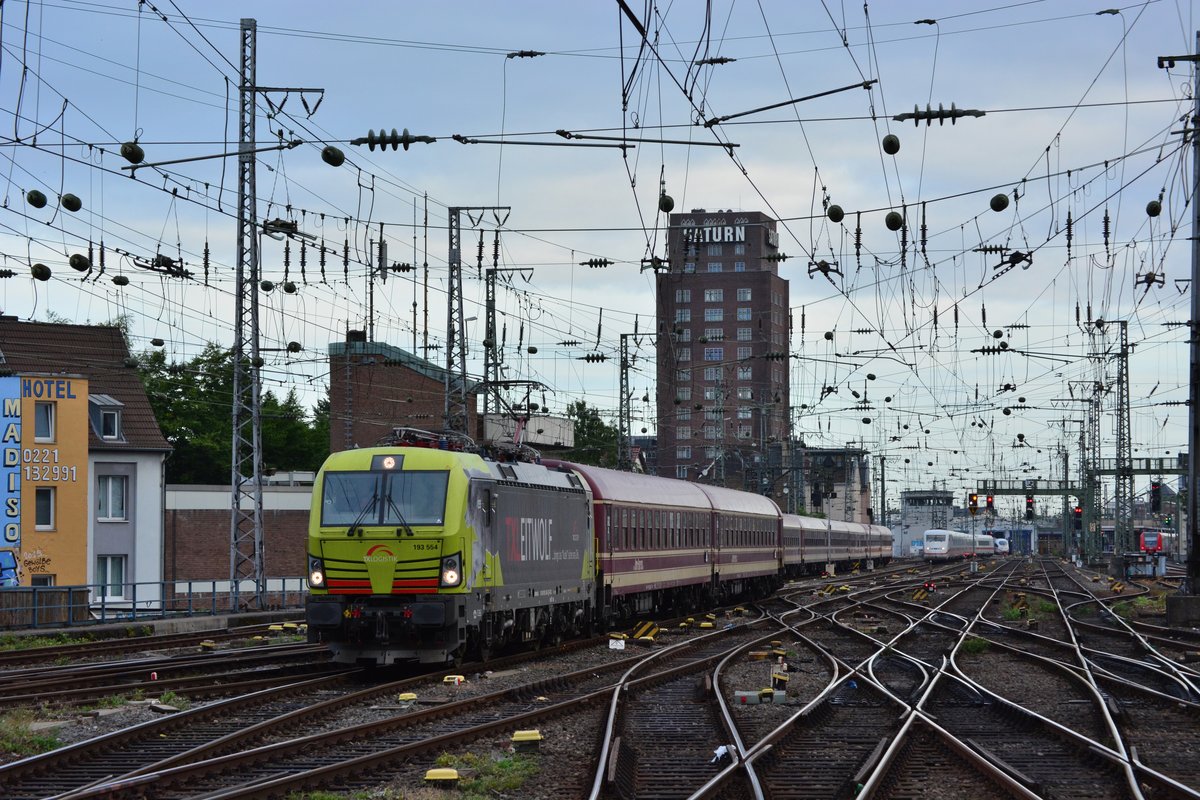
[197, 536]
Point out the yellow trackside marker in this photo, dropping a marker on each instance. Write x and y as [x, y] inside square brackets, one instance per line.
[443, 776]
[524, 741]
[454, 680]
[644, 630]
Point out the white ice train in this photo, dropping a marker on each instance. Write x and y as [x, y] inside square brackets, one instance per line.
[945, 545]
[1002, 546]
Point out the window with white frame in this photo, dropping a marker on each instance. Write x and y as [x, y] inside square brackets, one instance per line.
[714, 295]
[683, 295]
[714, 314]
[739, 249]
[745, 393]
[683, 414]
[714, 334]
[681, 470]
[744, 314]
[683, 315]
[684, 393]
[685, 335]
[715, 266]
[710, 452]
[744, 295]
[710, 431]
[684, 451]
[712, 373]
[110, 497]
[683, 432]
[683, 375]
[739, 266]
[110, 577]
[42, 580]
[714, 250]
[683, 354]
[44, 497]
[110, 423]
[745, 334]
[43, 422]
[744, 352]
[689, 266]
[744, 413]
[714, 353]
[745, 373]
[744, 432]
[711, 393]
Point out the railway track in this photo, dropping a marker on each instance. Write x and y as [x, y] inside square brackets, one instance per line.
[884, 678]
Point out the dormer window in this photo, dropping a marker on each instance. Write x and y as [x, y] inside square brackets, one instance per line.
[110, 424]
[105, 412]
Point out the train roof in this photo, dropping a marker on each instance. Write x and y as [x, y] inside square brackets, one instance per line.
[632, 487]
[742, 502]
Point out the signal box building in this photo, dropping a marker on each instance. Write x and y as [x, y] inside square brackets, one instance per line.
[723, 325]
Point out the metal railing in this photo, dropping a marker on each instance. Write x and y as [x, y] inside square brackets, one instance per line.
[63, 606]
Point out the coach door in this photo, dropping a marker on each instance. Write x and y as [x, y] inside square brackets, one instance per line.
[483, 547]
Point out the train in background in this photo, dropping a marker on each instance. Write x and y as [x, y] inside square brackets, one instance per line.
[429, 549]
[1147, 539]
[1002, 545]
[948, 545]
[1158, 541]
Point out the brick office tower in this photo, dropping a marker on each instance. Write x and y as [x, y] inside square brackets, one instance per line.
[723, 323]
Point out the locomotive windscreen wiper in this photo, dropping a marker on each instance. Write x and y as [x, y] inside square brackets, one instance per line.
[399, 515]
[366, 510]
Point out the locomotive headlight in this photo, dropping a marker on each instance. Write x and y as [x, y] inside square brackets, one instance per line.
[316, 573]
[451, 571]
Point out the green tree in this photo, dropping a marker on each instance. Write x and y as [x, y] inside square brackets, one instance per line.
[193, 402]
[595, 440]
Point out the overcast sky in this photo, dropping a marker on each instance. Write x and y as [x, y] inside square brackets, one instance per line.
[1080, 123]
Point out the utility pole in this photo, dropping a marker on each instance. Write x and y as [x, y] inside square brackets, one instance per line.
[246, 535]
[246, 557]
[1185, 610]
[455, 417]
[624, 413]
[1123, 494]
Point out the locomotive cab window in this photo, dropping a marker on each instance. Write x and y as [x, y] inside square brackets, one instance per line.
[384, 498]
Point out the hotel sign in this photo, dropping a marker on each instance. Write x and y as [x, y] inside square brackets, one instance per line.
[10, 460]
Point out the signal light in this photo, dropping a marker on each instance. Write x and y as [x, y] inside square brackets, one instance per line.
[1028, 506]
[991, 504]
[1078, 518]
[1155, 497]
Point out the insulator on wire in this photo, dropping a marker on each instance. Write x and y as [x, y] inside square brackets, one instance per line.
[924, 230]
[983, 312]
[858, 238]
[346, 259]
[287, 257]
[1107, 232]
[1070, 234]
[206, 262]
[303, 259]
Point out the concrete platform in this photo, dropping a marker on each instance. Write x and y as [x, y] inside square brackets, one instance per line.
[114, 630]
